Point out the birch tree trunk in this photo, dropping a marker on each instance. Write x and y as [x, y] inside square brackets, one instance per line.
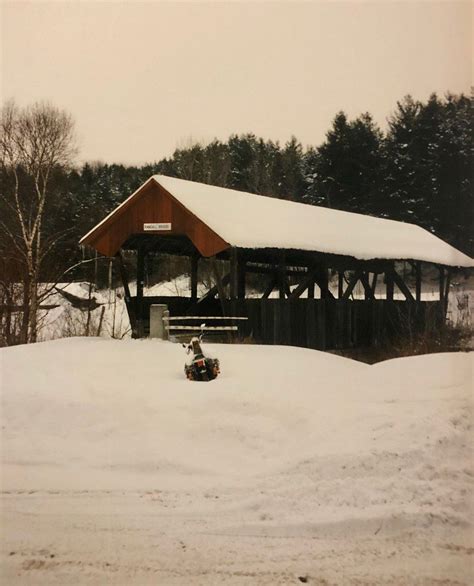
[34, 142]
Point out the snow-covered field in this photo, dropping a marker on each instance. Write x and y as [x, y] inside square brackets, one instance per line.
[294, 466]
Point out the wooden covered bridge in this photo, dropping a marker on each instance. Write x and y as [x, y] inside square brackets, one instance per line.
[300, 248]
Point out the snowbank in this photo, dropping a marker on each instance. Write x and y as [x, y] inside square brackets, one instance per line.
[286, 447]
[122, 413]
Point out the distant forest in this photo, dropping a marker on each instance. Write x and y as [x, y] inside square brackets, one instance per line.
[420, 170]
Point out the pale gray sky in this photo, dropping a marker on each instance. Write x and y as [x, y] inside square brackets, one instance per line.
[141, 78]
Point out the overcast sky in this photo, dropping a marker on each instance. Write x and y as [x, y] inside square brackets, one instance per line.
[141, 78]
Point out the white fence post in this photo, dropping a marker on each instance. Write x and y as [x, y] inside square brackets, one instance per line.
[157, 325]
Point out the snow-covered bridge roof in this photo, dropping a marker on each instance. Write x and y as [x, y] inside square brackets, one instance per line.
[248, 220]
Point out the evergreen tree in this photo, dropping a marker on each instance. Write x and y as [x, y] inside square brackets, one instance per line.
[293, 181]
[242, 154]
[217, 164]
[410, 159]
[345, 171]
[454, 207]
[428, 167]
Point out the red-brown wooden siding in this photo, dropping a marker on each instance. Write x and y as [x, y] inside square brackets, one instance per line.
[153, 204]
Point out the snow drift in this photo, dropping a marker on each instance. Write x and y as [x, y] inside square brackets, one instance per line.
[123, 411]
[287, 443]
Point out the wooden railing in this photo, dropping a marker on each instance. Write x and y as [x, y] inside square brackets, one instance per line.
[176, 329]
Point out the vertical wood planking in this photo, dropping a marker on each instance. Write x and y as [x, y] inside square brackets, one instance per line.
[321, 324]
[339, 309]
[377, 322]
[347, 324]
[276, 322]
[267, 325]
[311, 339]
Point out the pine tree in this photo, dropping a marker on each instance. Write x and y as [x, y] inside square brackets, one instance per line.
[411, 158]
[454, 207]
[292, 162]
[428, 167]
[345, 171]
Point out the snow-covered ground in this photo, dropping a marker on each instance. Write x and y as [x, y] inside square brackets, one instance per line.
[293, 466]
[109, 319]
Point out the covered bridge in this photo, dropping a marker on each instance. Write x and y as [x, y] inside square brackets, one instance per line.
[299, 247]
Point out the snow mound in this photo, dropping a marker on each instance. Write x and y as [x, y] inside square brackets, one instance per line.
[120, 413]
[292, 463]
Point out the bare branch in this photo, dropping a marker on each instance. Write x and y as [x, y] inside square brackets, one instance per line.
[34, 141]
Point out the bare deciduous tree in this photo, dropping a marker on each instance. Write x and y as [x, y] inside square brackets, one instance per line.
[34, 142]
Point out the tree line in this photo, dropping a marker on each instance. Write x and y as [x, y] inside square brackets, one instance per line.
[420, 169]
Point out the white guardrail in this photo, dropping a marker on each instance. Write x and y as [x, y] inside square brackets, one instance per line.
[201, 318]
[163, 326]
